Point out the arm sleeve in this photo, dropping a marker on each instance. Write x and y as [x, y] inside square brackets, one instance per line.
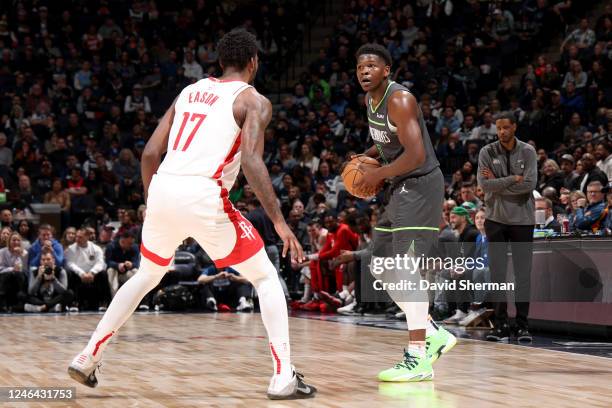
[5, 265]
[530, 178]
[58, 250]
[127, 106]
[100, 264]
[71, 256]
[62, 280]
[491, 185]
[34, 254]
[566, 79]
[341, 241]
[584, 221]
[34, 283]
[361, 252]
[136, 257]
[110, 262]
[582, 80]
[326, 247]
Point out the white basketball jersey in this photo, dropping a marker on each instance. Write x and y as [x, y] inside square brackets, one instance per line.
[205, 139]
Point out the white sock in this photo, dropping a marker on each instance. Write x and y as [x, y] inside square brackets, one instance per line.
[261, 272]
[306, 296]
[281, 357]
[345, 293]
[124, 303]
[431, 328]
[417, 348]
[416, 314]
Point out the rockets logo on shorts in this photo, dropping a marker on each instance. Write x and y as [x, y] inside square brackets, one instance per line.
[247, 230]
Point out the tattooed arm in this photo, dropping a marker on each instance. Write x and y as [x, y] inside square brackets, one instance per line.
[253, 112]
[155, 148]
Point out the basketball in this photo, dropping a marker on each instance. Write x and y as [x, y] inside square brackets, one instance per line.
[352, 174]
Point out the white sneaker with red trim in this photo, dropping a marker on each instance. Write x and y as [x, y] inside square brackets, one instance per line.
[295, 388]
[83, 369]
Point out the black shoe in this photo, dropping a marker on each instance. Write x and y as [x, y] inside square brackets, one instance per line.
[523, 336]
[360, 309]
[89, 380]
[296, 389]
[392, 310]
[499, 333]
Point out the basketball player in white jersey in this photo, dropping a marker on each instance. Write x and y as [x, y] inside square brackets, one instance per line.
[213, 127]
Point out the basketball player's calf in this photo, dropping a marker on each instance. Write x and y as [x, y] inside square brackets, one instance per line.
[128, 297]
[285, 383]
[427, 341]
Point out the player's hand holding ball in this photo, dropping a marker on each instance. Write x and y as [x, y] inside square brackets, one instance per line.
[361, 176]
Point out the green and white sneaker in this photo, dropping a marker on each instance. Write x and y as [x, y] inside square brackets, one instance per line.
[439, 343]
[412, 368]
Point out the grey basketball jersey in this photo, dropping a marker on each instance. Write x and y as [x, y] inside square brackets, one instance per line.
[384, 134]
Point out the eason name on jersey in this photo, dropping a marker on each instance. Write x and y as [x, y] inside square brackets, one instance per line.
[379, 136]
[204, 97]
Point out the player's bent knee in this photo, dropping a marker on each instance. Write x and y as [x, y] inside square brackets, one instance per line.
[151, 268]
[257, 268]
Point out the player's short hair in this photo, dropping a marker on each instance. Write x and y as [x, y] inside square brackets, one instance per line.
[505, 115]
[375, 49]
[236, 48]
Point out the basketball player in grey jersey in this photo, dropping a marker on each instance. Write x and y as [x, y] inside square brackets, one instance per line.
[412, 208]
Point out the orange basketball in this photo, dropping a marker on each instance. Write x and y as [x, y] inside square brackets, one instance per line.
[352, 174]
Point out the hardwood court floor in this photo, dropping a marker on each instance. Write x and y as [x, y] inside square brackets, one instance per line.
[208, 360]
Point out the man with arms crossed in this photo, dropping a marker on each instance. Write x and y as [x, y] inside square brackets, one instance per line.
[508, 173]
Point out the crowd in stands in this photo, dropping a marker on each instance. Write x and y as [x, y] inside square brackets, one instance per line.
[83, 83]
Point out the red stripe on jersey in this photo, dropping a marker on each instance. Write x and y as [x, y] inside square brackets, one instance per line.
[229, 157]
[99, 343]
[248, 242]
[154, 257]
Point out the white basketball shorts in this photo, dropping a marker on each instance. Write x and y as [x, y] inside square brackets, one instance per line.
[179, 207]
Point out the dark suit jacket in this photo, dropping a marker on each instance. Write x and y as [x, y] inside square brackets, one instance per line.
[553, 225]
[594, 175]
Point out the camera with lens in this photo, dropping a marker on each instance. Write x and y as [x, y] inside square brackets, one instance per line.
[49, 270]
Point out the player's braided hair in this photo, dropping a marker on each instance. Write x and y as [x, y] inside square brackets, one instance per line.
[375, 49]
[236, 48]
